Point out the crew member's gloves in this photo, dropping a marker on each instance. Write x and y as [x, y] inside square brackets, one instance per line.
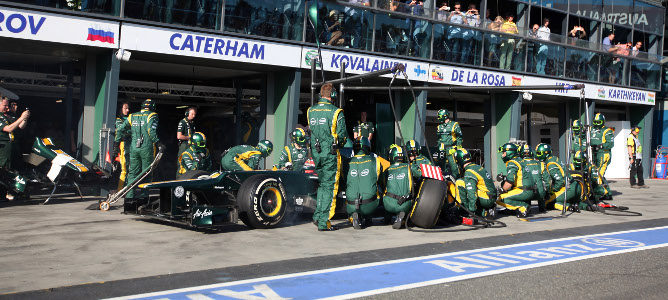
[115, 150]
[161, 147]
[500, 177]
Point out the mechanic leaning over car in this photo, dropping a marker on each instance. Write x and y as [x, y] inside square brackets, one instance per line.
[362, 184]
[450, 135]
[602, 140]
[294, 155]
[124, 146]
[415, 158]
[197, 156]
[185, 130]
[475, 189]
[554, 180]
[328, 134]
[535, 169]
[142, 127]
[245, 157]
[398, 182]
[517, 185]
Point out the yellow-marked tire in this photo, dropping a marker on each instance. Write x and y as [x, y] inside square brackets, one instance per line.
[429, 202]
[262, 201]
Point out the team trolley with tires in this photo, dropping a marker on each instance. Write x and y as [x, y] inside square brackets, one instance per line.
[260, 199]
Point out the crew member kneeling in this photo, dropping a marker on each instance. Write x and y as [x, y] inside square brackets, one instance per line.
[362, 184]
[295, 155]
[555, 182]
[196, 156]
[397, 198]
[245, 157]
[518, 186]
[536, 170]
[475, 190]
[582, 170]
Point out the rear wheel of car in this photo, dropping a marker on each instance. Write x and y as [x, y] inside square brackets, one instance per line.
[262, 202]
[429, 202]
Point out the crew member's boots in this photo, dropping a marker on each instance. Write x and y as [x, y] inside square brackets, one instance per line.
[399, 221]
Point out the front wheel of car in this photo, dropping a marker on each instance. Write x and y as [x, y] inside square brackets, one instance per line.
[262, 202]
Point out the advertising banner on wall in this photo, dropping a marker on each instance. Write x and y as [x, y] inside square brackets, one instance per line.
[30, 25]
[362, 63]
[193, 44]
[476, 77]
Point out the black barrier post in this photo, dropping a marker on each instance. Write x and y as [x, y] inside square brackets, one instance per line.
[314, 62]
[341, 86]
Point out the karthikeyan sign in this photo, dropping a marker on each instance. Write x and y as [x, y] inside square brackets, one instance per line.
[22, 24]
[179, 42]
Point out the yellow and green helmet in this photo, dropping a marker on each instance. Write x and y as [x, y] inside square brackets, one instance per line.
[298, 136]
[265, 147]
[525, 151]
[462, 156]
[543, 151]
[510, 149]
[579, 159]
[599, 120]
[412, 147]
[577, 126]
[442, 115]
[148, 104]
[198, 140]
[396, 153]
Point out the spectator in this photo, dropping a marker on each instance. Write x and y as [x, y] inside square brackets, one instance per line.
[472, 18]
[356, 23]
[334, 32]
[636, 49]
[607, 61]
[577, 33]
[508, 45]
[635, 158]
[493, 42]
[443, 12]
[541, 57]
[415, 7]
[534, 31]
[455, 32]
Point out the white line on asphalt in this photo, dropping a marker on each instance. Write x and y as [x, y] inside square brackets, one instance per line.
[482, 274]
[269, 278]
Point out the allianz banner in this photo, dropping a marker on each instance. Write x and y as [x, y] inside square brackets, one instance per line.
[30, 25]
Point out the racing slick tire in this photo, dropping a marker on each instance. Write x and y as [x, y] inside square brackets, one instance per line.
[192, 174]
[429, 202]
[262, 202]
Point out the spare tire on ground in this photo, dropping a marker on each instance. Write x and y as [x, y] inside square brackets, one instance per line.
[262, 202]
[429, 202]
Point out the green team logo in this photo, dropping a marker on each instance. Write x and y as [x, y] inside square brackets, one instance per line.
[310, 56]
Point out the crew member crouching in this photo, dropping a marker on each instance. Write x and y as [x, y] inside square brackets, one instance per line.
[555, 182]
[245, 157]
[362, 184]
[518, 187]
[475, 190]
[398, 196]
[196, 156]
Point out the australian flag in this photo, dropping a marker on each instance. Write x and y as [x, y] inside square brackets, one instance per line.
[100, 35]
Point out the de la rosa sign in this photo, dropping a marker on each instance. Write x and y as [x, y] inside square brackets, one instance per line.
[22, 24]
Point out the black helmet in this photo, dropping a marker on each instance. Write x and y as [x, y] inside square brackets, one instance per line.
[362, 145]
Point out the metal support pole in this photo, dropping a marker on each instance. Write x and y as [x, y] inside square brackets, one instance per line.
[313, 64]
[397, 67]
[342, 95]
[469, 89]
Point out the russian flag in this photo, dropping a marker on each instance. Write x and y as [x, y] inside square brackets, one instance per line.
[100, 35]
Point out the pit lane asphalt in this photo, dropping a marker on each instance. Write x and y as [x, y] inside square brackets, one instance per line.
[65, 251]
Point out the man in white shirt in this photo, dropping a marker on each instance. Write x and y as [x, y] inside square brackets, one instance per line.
[543, 33]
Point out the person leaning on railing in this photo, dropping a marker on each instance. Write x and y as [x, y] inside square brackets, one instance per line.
[508, 45]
